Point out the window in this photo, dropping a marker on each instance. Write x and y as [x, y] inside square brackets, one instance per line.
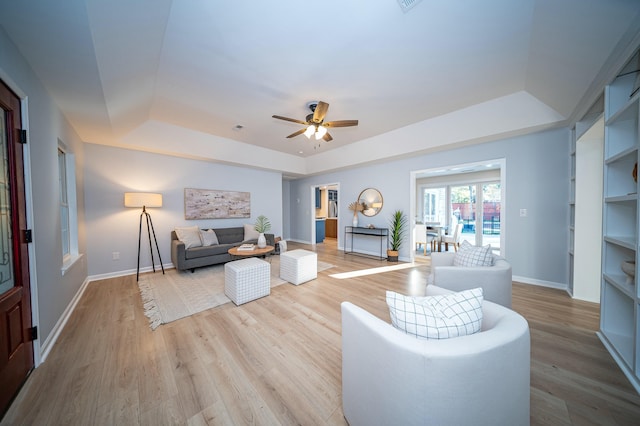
[68, 207]
[434, 205]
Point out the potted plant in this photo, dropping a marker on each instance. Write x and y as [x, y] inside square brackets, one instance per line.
[262, 225]
[398, 225]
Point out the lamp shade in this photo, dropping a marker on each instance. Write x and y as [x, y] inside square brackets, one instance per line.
[142, 199]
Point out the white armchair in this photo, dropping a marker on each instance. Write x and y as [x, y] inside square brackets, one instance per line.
[391, 378]
[496, 281]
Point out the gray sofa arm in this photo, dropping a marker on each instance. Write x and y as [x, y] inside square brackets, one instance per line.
[178, 255]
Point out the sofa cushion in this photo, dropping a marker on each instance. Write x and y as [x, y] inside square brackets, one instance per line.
[250, 232]
[437, 317]
[209, 238]
[197, 252]
[469, 255]
[190, 236]
[232, 235]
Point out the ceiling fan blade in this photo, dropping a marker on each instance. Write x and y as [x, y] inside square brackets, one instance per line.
[294, 134]
[341, 123]
[320, 112]
[293, 120]
[327, 137]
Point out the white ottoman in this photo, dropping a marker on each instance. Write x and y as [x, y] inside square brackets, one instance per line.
[298, 266]
[247, 279]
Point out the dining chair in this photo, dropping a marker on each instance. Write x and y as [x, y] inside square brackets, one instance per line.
[420, 236]
[453, 238]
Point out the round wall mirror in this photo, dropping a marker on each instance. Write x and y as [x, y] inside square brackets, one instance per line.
[371, 200]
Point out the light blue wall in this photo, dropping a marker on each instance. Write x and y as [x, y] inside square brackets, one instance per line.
[46, 125]
[537, 178]
[110, 172]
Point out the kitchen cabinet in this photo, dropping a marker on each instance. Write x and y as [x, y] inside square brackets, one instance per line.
[320, 223]
[331, 228]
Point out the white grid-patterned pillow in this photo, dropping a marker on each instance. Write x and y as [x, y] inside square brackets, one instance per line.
[209, 238]
[437, 317]
[469, 255]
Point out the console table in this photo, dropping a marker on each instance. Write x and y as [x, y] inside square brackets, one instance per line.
[354, 231]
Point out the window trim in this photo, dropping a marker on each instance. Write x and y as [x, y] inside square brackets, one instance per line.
[70, 258]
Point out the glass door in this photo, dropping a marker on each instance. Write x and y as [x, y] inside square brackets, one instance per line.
[478, 207]
[491, 213]
[463, 210]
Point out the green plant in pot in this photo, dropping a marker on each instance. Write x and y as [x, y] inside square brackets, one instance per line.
[262, 225]
[398, 227]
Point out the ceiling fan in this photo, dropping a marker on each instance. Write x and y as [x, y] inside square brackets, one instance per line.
[315, 122]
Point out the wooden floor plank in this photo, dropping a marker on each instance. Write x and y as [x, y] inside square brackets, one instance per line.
[277, 360]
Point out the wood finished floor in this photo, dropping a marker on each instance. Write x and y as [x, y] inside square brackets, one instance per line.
[277, 360]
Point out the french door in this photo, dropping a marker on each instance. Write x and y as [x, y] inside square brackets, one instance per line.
[16, 346]
[478, 206]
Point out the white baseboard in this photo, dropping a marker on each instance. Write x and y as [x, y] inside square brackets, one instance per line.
[541, 283]
[299, 241]
[127, 272]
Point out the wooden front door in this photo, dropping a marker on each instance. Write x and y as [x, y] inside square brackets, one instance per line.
[16, 347]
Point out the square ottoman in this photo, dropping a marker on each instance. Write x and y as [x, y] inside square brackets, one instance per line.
[247, 279]
[298, 266]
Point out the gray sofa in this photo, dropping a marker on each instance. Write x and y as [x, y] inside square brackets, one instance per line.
[196, 257]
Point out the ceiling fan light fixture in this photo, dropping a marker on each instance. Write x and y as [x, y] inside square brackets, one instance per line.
[321, 132]
[310, 130]
[315, 122]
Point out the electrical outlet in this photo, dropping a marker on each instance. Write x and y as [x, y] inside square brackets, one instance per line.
[523, 212]
[116, 255]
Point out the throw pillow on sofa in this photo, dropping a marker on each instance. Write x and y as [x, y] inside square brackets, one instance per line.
[250, 232]
[437, 317]
[190, 236]
[469, 255]
[209, 238]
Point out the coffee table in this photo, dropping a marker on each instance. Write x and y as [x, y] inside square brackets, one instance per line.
[262, 252]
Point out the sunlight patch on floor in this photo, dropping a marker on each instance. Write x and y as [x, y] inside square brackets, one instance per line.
[371, 271]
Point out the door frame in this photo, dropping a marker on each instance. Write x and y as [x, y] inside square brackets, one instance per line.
[455, 169]
[312, 204]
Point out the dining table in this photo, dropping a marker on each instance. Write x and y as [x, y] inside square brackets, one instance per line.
[437, 230]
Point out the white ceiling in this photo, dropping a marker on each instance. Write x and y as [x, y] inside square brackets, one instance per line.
[177, 76]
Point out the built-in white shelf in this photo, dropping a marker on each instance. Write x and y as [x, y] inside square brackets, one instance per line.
[620, 298]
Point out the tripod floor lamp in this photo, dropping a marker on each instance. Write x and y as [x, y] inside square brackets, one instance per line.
[144, 200]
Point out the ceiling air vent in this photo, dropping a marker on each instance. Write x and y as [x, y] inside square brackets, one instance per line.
[405, 5]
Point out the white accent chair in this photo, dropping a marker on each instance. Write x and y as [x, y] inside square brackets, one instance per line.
[391, 378]
[496, 281]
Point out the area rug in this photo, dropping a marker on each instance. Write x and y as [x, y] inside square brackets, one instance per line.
[176, 295]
